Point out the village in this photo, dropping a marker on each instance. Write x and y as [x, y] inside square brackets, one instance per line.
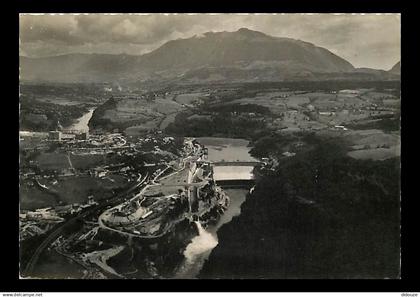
[63, 173]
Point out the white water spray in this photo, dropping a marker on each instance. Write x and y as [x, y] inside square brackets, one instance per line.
[197, 252]
[200, 244]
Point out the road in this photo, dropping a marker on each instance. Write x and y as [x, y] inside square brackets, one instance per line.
[184, 162]
[53, 235]
[152, 183]
[116, 200]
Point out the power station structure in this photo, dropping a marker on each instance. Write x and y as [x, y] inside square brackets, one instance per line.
[67, 135]
[58, 134]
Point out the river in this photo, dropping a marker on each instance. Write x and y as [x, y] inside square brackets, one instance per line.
[198, 251]
[227, 149]
[82, 123]
[219, 149]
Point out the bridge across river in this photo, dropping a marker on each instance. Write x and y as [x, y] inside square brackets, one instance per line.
[235, 163]
[230, 158]
[236, 183]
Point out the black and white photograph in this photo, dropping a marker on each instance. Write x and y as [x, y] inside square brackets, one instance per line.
[209, 146]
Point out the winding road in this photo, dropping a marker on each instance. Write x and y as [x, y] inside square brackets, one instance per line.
[153, 182]
[59, 229]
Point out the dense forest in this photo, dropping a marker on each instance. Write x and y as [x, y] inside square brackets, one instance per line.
[319, 214]
[97, 119]
[82, 92]
[219, 124]
[221, 120]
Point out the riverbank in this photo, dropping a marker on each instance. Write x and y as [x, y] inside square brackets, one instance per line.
[201, 246]
[199, 249]
[41, 116]
[319, 214]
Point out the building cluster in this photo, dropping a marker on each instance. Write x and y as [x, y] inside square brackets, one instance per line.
[68, 135]
[39, 221]
[189, 191]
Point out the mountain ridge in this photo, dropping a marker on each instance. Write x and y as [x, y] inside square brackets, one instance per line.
[396, 69]
[256, 55]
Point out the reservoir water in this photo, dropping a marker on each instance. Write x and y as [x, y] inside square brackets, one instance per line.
[219, 149]
[229, 150]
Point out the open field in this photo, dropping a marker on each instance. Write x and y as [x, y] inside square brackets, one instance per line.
[87, 161]
[74, 189]
[343, 112]
[189, 98]
[60, 101]
[179, 177]
[32, 198]
[167, 120]
[53, 161]
[141, 129]
[136, 115]
[376, 153]
[373, 144]
[166, 106]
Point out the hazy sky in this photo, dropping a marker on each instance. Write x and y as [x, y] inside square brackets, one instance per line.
[368, 40]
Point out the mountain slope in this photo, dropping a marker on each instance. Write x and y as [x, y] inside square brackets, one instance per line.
[396, 69]
[243, 48]
[76, 67]
[311, 217]
[243, 55]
